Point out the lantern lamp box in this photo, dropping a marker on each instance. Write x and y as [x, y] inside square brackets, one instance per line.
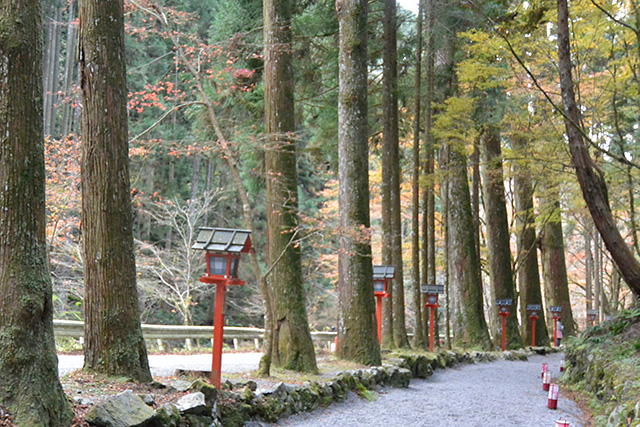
[381, 276]
[504, 302]
[224, 247]
[534, 307]
[555, 309]
[593, 312]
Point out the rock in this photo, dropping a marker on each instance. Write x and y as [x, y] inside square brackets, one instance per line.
[398, 377]
[168, 415]
[123, 410]
[192, 403]
[197, 420]
[180, 385]
[282, 390]
[209, 391]
[81, 400]
[148, 399]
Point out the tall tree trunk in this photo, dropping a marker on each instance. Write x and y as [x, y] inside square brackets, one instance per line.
[29, 385]
[498, 236]
[588, 282]
[290, 338]
[357, 334]
[419, 333]
[428, 194]
[528, 274]
[114, 343]
[592, 183]
[391, 141]
[553, 261]
[70, 73]
[469, 324]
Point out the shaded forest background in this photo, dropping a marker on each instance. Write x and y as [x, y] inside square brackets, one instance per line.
[210, 51]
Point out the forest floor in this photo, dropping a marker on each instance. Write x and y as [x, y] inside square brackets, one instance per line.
[491, 393]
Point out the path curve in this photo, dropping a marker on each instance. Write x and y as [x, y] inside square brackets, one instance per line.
[488, 394]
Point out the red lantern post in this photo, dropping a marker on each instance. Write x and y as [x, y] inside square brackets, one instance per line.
[432, 292]
[504, 313]
[381, 276]
[223, 247]
[533, 310]
[592, 315]
[555, 315]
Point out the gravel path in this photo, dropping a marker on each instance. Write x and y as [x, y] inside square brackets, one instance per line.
[490, 394]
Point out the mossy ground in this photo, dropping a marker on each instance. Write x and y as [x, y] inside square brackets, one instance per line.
[604, 366]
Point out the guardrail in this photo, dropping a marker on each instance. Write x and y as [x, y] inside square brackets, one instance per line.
[75, 329]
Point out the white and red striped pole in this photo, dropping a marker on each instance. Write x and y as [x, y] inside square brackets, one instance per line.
[546, 380]
[562, 365]
[545, 368]
[562, 423]
[554, 390]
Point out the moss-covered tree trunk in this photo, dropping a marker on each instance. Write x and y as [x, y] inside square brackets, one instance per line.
[357, 332]
[29, 385]
[114, 344]
[469, 324]
[419, 339]
[290, 338]
[554, 269]
[498, 237]
[528, 275]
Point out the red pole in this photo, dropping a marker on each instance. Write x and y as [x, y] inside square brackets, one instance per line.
[555, 331]
[379, 317]
[431, 327]
[504, 331]
[533, 332]
[218, 334]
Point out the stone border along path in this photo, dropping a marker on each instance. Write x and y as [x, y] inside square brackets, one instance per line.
[499, 393]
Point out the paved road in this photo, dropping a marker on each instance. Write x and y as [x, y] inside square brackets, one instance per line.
[482, 395]
[165, 365]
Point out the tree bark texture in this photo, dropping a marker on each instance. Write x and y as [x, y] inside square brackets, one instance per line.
[553, 260]
[114, 344]
[419, 339]
[592, 184]
[290, 339]
[469, 324]
[29, 385]
[392, 173]
[357, 332]
[528, 275]
[498, 237]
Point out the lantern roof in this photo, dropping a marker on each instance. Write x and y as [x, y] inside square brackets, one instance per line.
[432, 289]
[555, 308]
[592, 312]
[534, 307]
[384, 272]
[223, 240]
[505, 301]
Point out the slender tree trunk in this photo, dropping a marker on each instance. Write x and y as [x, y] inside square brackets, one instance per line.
[588, 282]
[428, 194]
[70, 73]
[498, 236]
[390, 138]
[444, 195]
[553, 260]
[29, 385]
[290, 339]
[419, 335]
[593, 186]
[470, 326]
[475, 192]
[528, 274]
[357, 334]
[114, 344]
